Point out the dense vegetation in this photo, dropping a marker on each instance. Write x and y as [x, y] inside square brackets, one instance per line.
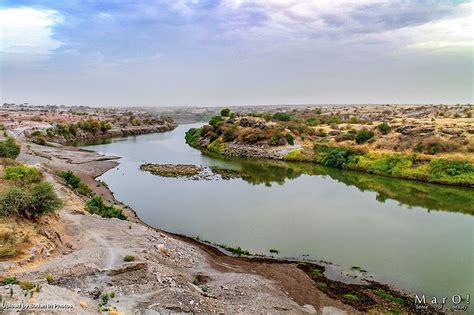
[9, 148]
[96, 205]
[75, 183]
[389, 148]
[25, 194]
[399, 165]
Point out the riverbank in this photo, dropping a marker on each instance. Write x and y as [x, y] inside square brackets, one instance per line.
[421, 150]
[177, 273]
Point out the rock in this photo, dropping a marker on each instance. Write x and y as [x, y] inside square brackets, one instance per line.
[128, 267]
[163, 249]
[95, 293]
[452, 131]
[334, 133]
[83, 304]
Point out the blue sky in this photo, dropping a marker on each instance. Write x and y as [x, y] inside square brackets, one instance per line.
[236, 52]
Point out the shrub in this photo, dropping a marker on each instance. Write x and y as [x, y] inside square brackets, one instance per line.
[10, 280]
[2, 127]
[71, 179]
[96, 205]
[312, 122]
[9, 148]
[9, 245]
[290, 139]
[42, 200]
[129, 258]
[49, 278]
[13, 200]
[225, 112]
[363, 136]
[267, 116]
[39, 140]
[192, 135]
[26, 285]
[282, 116]
[83, 189]
[216, 121]
[384, 128]
[230, 133]
[23, 174]
[337, 157]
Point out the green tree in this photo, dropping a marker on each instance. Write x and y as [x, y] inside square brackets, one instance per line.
[42, 200]
[225, 112]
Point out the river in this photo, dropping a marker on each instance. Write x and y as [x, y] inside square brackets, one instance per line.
[416, 236]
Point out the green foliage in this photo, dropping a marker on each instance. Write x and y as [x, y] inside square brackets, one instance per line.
[9, 148]
[193, 135]
[390, 297]
[23, 174]
[384, 128]
[10, 244]
[83, 189]
[316, 272]
[230, 133]
[282, 116]
[267, 116]
[71, 179]
[105, 126]
[312, 121]
[129, 258]
[42, 200]
[2, 127]
[321, 285]
[13, 200]
[337, 157]
[294, 155]
[350, 296]
[236, 250]
[225, 112]
[49, 278]
[290, 139]
[363, 136]
[216, 146]
[27, 285]
[216, 121]
[96, 205]
[10, 280]
[354, 120]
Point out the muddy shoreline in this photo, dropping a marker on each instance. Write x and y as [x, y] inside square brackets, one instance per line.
[266, 266]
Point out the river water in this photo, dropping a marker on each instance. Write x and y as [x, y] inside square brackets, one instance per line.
[417, 236]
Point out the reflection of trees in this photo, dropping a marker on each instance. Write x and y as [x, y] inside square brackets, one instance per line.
[411, 193]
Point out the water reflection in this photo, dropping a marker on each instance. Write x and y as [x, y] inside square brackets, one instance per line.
[410, 193]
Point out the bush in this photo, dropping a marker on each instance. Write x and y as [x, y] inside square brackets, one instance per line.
[225, 112]
[216, 121]
[96, 205]
[42, 200]
[384, 128]
[9, 148]
[312, 122]
[192, 135]
[71, 179]
[337, 157]
[282, 116]
[129, 258]
[363, 136]
[83, 189]
[267, 116]
[290, 139]
[230, 133]
[23, 174]
[13, 200]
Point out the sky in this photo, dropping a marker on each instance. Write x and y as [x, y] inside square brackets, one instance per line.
[236, 52]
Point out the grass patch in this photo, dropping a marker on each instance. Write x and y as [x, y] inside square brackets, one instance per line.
[316, 272]
[96, 205]
[294, 155]
[236, 250]
[390, 297]
[10, 280]
[129, 258]
[350, 296]
[321, 285]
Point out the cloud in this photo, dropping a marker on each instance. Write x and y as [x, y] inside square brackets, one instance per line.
[27, 33]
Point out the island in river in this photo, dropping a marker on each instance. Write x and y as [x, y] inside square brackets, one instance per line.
[424, 143]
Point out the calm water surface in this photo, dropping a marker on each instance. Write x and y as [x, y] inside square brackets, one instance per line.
[414, 235]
